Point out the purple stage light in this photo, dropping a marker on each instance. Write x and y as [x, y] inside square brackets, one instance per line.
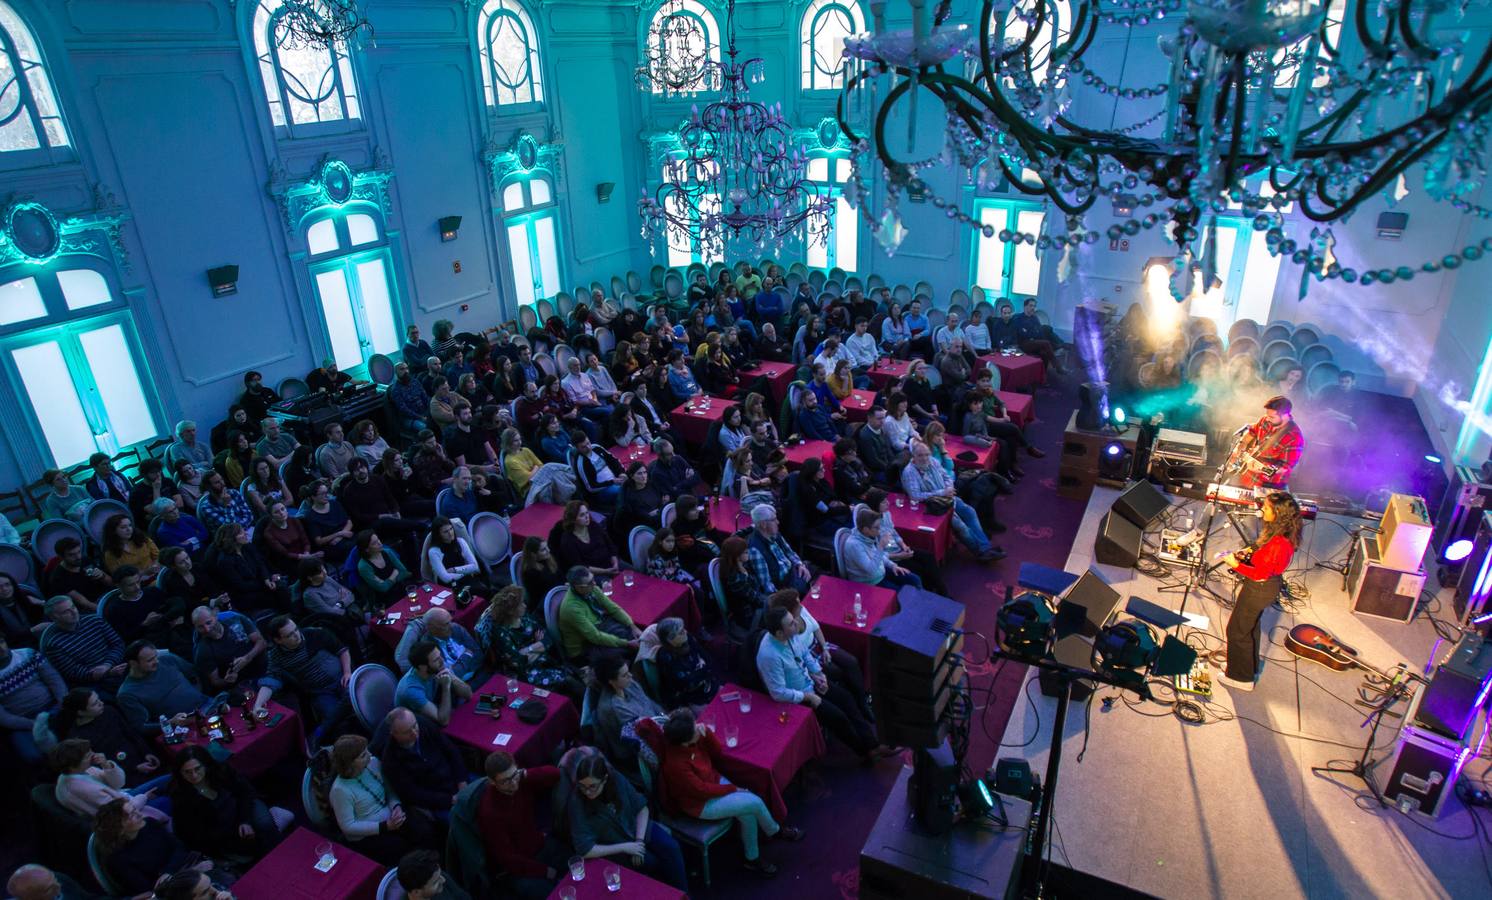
[1458, 550]
[1113, 449]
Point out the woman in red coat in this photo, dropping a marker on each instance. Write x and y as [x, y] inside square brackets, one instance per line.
[1262, 577]
[689, 784]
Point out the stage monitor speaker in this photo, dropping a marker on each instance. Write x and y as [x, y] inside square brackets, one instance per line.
[933, 790]
[1118, 542]
[1141, 503]
[1097, 599]
[1380, 590]
[1093, 405]
[1404, 533]
[1450, 701]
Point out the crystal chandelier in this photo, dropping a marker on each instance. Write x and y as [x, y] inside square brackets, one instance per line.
[1266, 107]
[302, 24]
[735, 179]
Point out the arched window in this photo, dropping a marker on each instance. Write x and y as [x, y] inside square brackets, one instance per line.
[531, 223]
[68, 345]
[826, 23]
[508, 46]
[304, 85]
[353, 276]
[841, 249]
[681, 35]
[30, 118]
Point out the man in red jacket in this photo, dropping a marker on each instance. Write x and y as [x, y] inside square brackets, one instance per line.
[525, 863]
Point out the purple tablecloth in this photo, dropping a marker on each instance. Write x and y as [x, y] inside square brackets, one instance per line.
[1016, 372]
[885, 372]
[253, 752]
[635, 885]
[531, 745]
[692, 420]
[391, 632]
[913, 525]
[651, 599]
[770, 751]
[834, 609]
[778, 375]
[534, 521]
[289, 871]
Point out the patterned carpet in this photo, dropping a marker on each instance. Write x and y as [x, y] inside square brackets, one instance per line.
[837, 800]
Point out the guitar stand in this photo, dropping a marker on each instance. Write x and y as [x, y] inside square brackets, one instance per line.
[1359, 769]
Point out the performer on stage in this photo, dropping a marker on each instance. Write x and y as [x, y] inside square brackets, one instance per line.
[1273, 446]
[1261, 566]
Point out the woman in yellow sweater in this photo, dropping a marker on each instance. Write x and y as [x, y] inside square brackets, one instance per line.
[125, 545]
[519, 462]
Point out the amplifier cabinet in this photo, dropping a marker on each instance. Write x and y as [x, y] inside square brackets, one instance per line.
[1378, 589]
[1405, 532]
[1425, 766]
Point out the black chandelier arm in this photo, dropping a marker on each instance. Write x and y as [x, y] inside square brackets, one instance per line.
[1084, 29]
[1412, 41]
[1371, 43]
[1384, 175]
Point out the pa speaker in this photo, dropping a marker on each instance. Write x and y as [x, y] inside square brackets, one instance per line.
[1118, 542]
[1141, 503]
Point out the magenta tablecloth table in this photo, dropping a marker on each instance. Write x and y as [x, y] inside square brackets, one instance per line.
[1020, 407]
[922, 530]
[253, 752]
[857, 405]
[726, 517]
[635, 885]
[984, 457]
[531, 745]
[1016, 372]
[770, 751]
[885, 372]
[778, 375]
[650, 600]
[536, 520]
[427, 597]
[798, 454]
[834, 609]
[627, 454]
[289, 871]
[692, 420]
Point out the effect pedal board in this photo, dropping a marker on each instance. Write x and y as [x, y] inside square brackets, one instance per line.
[1197, 682]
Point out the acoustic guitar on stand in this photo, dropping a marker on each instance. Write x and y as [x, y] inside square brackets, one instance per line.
[1316, 644]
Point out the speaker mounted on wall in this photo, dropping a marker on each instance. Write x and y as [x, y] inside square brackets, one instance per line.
[223, 280]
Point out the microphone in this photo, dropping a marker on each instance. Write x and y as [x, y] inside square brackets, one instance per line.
[1241, 429]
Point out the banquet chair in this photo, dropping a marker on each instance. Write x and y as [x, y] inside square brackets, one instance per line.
[371, 691]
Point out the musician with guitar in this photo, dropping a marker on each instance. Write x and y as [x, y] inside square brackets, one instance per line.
[1271, 447]
[1262, 567]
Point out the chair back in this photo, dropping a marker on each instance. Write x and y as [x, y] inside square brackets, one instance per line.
[667, 514]
[934, 377]
[564, 304]
[1315, 353]
[98, 513]
[840, 538]
[673, 285]
[18, 564]
[1243, 345]
[639, 542]
[1304, 336]
[490, 538]
[1243, 328]
[443, 501]
[527, 318]
[380, 369]
[1277, 369]
[48, 533]
[314, 809]
[1321, 375]
[936, 318]
[371, 690]
[515, 568]
[1277, 331]
[1278, 349]
[544, 309]
[100, 872]
[552, 601]
[655, 276]
[563, 353]
[545, 362]
[427, 572]
[717, 585]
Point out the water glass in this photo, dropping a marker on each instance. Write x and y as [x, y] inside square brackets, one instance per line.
[512, 687]
[613, 878]
[567, 892]
[745, 702]
[732, 735]
[326, 855]
[627, 579]
[606, 587]
[577, 868]
[815, 592]
[900, 503]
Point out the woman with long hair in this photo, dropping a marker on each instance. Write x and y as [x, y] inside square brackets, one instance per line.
[285, 539]
[619, 700]
[20, 613]
[236, 458]
[215, 811]
[584, 543]
[126, 545]
[539, 572]
[745, 595]
[367, 442]
[372, 819]
[86, 716]
[263, 486]
[181, 578]
[517, 645]
[137, 850]
[451, 559]
[238, 566]
[603, 815]
[1262, 575]
[380, 568]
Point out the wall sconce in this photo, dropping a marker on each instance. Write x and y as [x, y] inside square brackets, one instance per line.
[223, 280]
[603, 191]
[449, 226]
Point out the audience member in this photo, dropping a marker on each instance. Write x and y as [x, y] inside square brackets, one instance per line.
[137, 850]
[430, 688]
[516, 644]
[227, 650]
[526, 862]
[84, 649]
[85, 715]
[588, 618]
[215, 811]
[368, 810]
[462, 651]
[422, 765]
[606, 817]
[29, 686]
[153, 691]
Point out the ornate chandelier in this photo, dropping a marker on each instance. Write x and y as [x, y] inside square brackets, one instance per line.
[320, 24]
[733, 177]
[1267, 106]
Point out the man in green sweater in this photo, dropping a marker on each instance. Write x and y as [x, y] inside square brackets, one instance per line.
[588, 618]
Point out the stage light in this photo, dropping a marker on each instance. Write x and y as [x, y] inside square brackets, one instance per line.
[1432, 458]
[1117, 417]
[1124, 649]
[1457, 551]
[1024, 624]
[975, 797]
[1114, 449]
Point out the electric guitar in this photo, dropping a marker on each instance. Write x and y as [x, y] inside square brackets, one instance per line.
[1316, 644]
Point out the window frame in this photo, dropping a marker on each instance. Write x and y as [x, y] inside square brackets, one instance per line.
[516, 10]
[528, 215]
[347, 258]
[277, 95]
[45, 153]
[809, 71]
[709, 22]
[1013, 208]
[833, 188]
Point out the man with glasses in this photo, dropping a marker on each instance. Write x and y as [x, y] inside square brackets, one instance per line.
[923, 479]
[504, 805]
[313, 663]
[186, 448]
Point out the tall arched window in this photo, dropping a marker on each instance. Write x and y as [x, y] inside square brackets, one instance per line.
[353, 276]
[304, 85]
[826, 23]
[681, 34]
[508, 45]
[830, 171]
[30, 119]
[531, 223]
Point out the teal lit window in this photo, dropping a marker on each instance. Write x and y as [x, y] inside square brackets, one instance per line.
[825, 25]
[353, 276]
[841, 250]
[682, 32]
[508, 46]
[530, 220]
[305, 86]
[1007, 268]
[69, 347]
[30, 118]
[684, 245]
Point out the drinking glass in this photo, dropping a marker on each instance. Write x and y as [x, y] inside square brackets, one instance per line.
[567, 892]
[732, 735]
[861, 617]
[606, 587]
[326, 855]
[411, 594]
[900, 503]
[577, 868]
[745, 702]
[512, 687]
[627, 579]
[613, 878]
[815, 592]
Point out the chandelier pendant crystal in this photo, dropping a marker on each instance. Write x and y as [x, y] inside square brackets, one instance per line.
[1268, 107]
[735, 179]
[302, 24]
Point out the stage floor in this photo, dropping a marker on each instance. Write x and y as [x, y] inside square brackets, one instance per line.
[1230, 808]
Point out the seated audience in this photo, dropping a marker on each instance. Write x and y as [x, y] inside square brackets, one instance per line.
[29, 686]
[450, 558]
[421, 878]
[215, 811]
[516, 644]
[86, 781]
[313, 664]
[227, 650]
[422, 765]
[583, 543]
[619, 701]
[685, 677]
[152, 487]
[527, 863]
[773, 561]
[462, 651]
[605, 817]
[589, 619]
[540, 572]
[380, 571]
[923, 479]
[84, 649]
[125, 545]
[866, 557]
[86, 716]
[368, 810]
[430, 688]
[136, 610]
[136, 850]
[326, 521]
[174, 528]
[219, 505]
[157, 688]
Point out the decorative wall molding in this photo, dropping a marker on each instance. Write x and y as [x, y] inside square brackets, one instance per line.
[333, 183]
[523, 154]
[32, 233]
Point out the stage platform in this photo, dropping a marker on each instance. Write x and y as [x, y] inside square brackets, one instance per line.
[1230, 809]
